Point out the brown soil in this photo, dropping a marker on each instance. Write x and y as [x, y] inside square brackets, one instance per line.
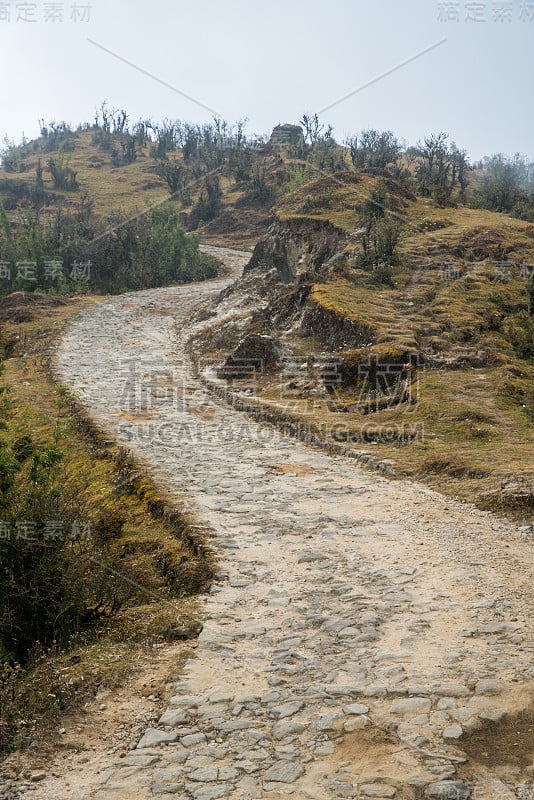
[512, 740]
[21, 307]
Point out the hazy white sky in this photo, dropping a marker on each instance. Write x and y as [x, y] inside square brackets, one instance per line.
[271, 61]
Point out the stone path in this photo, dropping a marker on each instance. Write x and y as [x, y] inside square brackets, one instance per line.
[361, 627]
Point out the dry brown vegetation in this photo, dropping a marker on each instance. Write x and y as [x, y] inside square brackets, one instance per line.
[468, 333]
[164, 561]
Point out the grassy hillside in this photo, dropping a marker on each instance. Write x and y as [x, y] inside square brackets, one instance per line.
[130, 189]
[438, 283]
[451, 307]
[138, 567]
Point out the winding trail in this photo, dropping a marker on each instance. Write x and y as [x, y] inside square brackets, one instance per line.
[361, 627]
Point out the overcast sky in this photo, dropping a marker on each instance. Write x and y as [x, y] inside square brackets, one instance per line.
[271, 61]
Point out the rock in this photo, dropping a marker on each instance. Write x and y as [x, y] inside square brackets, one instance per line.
[154, 737]
[349, 632]
[356, 724]
[452, 690]
[165, 788]
[489, 686]
[497, 627]
[465, 715]
[211, 792]
[256, 354]
[228, 773]
[204, 774]
[493, 715]
[412, 706]
[378, 790]
[283, 772]
[287, 709]
[453, 732]
[35, 777]
[168, 775]
[326, 722]
[192, 739]
[407, 733]
[223, 697]
[282, 729]
[326, 749]
[133, 760]
[194, 762]
[185, 701]
[237, 725]
[170, 719]
[448, 790]
[310, 556]
[356, 708]
[376, 690]
[257, 754]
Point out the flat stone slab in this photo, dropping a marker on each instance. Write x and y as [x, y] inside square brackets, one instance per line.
[204, 774]
[287, 709]
[211, 792]
[452, 690]
[172, 718]
[448, 790]
[356, 708]
[154, 737]
[489, 686]
[411, 706]
[378, 790]
[285, 728]
[283, 772]
[453, 732]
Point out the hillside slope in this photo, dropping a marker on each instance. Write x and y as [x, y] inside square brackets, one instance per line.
[426, 363]
[399, 328]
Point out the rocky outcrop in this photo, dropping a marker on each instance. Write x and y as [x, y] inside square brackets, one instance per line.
[255, 354]
[296, 247]
[335, 331]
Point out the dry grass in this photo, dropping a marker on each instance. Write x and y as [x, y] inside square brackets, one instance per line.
[113, 189]
[154, 549]
[473, 419]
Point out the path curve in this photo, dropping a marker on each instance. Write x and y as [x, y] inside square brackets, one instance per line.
[357, 621]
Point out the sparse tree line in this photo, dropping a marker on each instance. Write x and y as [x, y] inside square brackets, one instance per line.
[185, 152]
[196, 161]
[150, 250]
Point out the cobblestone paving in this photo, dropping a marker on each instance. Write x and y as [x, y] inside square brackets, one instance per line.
[361, 627]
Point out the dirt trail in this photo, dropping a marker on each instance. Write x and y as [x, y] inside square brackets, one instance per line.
[361, 627]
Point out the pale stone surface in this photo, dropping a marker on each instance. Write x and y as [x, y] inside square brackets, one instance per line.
[154, 737]
[283, 772]
[378, 790]
[453, 732]
[339, 591]
[449, 790]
